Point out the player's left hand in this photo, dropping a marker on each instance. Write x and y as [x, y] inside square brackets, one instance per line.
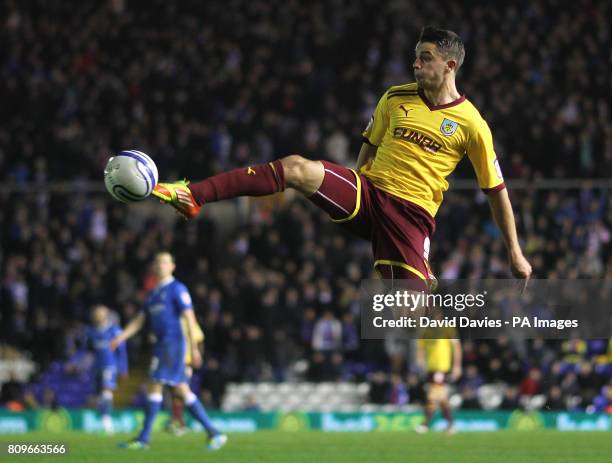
[196, 358]
[521, 268]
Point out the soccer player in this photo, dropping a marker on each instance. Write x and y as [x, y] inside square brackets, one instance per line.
[163, 309]
[418, 134]
[108, 364]
[441, 359]
[176, 423]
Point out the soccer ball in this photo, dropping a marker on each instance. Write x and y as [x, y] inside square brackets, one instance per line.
[130, 176]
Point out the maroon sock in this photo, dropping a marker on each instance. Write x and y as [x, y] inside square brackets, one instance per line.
[261, 180]
[177, 410]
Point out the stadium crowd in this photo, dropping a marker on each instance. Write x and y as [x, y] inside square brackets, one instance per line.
[205, 86]
[284, 287]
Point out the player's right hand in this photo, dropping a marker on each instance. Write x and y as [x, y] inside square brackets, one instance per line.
[456, 373]
[196, 358]
[115, 343]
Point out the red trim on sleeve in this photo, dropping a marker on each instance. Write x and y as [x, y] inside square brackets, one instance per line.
[499, 187]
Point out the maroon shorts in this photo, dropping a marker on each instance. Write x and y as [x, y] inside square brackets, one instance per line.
[398, 229]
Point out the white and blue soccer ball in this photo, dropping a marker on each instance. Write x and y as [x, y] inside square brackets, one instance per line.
[130, 176]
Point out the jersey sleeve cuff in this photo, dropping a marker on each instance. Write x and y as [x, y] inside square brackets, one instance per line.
[368, 142]
[499, 187]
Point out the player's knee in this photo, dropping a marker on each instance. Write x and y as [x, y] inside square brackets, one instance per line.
[295, 168]
[302, 174]
[155, 388]
[182, 390]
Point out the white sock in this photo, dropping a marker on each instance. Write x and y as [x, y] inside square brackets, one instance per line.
[191, 398]
[155, 397]
[107, 423]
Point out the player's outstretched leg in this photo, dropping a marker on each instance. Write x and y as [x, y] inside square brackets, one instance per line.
[261, 180]
[216, 440]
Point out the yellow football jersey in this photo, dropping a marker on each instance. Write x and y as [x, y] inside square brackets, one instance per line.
[420, 144]
[438, 354]
[199, 337]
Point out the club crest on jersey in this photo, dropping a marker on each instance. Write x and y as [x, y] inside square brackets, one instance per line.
[448, 127]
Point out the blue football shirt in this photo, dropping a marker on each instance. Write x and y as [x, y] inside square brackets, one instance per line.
[163, 308]
[98, 341]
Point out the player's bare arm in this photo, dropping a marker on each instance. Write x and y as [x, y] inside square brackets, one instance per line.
[366, 154]
[503, 215]
[457, 359]
[196, 357]
[133, 327]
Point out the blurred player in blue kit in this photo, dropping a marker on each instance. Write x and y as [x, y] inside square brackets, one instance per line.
[108, 363]
[164, 306]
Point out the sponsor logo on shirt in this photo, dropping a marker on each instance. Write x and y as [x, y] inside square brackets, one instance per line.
[412, 136]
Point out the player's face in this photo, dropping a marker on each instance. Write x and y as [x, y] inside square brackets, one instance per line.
[100, 316]
[163, 266]
[429, 65]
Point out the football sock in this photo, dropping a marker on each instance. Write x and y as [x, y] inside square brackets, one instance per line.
[177, 412]
[197, 410]
[154, 402]
[105, 403]
[260, 180]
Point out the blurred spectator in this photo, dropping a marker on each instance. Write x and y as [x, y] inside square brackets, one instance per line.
[471, 378]
[589, 382]
[327, 334]
[555, 400]
[250, 404]
[511, 399]
[12, 395]
[398, 394]
[379, 388]
[350, 337]
[603, 402]
[530, 385]
[416, 392]
[469, 395]
[49, 400]
[214, 382]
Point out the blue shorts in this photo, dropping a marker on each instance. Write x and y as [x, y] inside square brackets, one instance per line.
[168, 363]
[106, 378]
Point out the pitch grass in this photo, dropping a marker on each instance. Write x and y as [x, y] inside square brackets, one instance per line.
[309, 447]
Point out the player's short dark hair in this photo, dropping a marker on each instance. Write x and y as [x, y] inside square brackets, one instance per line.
[448, 42]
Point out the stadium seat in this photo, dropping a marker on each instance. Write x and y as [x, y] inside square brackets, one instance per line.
[304, 396]
[490, 396]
